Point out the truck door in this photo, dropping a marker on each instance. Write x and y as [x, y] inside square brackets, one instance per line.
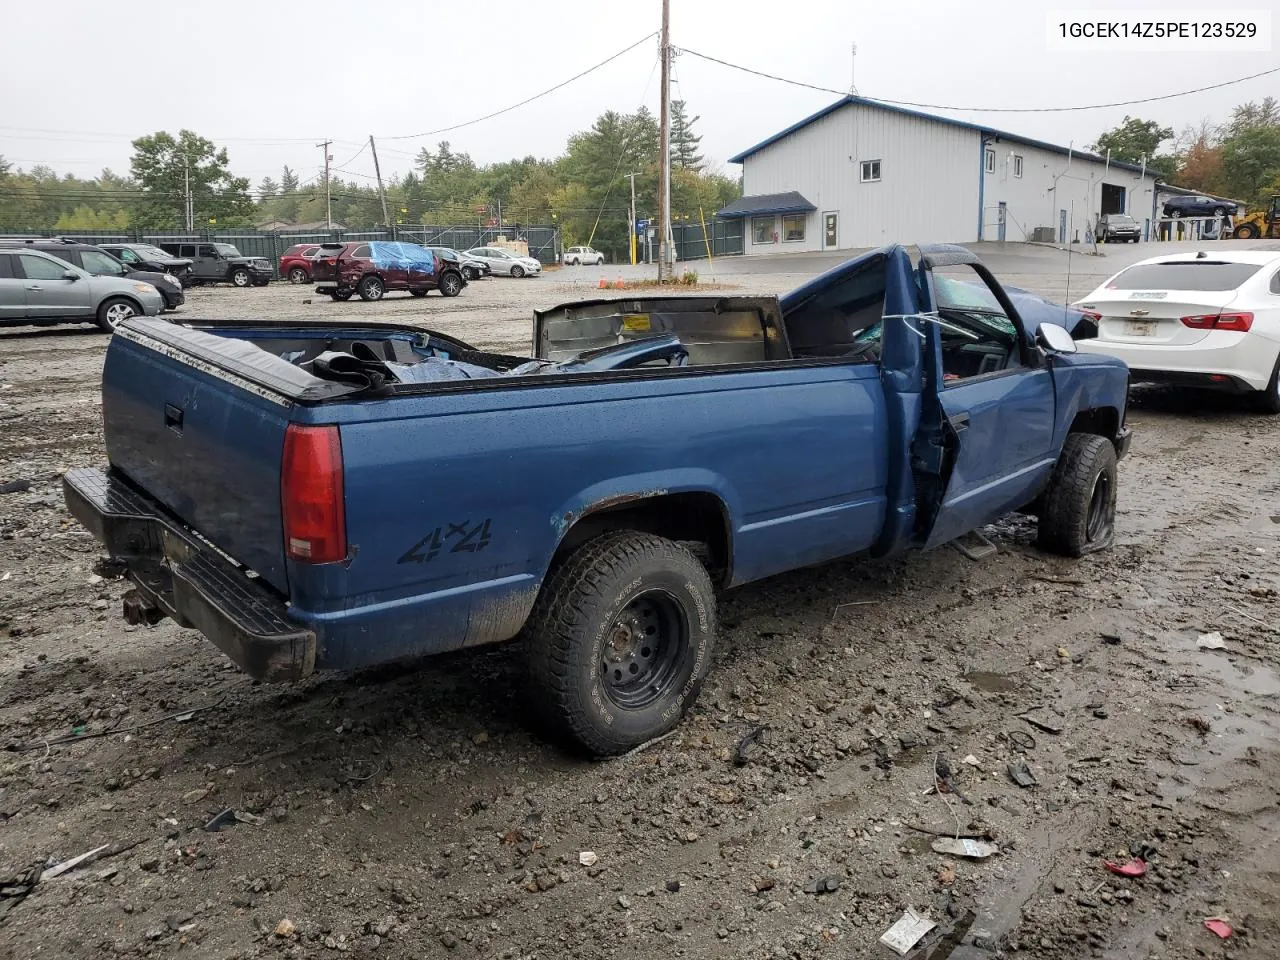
[49, 293]
[986, 437]
[209, 265]
[13, 292]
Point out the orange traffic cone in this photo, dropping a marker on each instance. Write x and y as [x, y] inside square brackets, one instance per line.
[603, 284]
[619, 284]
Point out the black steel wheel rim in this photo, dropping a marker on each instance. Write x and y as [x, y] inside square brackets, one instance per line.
[643, 650]
[1099, 522]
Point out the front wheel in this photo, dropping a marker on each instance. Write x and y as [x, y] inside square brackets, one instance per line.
[1176, 214]
[1078, 512]
[451, 284]
[241, 278]
[620, 640]
[297, 275]
[517, 272]
[371, 288]
[1246, 231]
[114, 312]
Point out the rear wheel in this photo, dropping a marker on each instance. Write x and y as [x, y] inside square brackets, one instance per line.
[241, 278]
[620, 640]
[1247, 231]
[115, 311]
[1078, 511]
[451, 284]
[1268, 400]
[297, 275]
[371, 288]
[517, 272]
[1176, 214]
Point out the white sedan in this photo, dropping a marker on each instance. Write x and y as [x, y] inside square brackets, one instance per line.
[1197, 319]
[505, 263]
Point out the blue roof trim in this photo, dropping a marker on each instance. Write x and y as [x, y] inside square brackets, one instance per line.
[963, 124]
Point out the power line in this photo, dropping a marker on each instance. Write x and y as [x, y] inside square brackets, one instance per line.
[536, 96]
[952, 107]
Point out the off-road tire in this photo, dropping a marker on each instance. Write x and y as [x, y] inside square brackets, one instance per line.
[116, 310]
[298, 275]
[1246, 231]
[517, 272]
[1268, 400]
[450, 284]
[240, 278]
[578, 611]
[1070, 522]
[371, 288]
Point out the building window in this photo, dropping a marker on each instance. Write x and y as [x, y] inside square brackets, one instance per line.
[1017, 165]
[991, 161]
[793, 227]
[870, 171]
[762, 230]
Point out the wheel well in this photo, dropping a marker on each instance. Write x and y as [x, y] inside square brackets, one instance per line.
[699, 518]
[137, 305]
[1102, 421]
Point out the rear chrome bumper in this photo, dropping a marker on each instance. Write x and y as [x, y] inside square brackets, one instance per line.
[176, 574]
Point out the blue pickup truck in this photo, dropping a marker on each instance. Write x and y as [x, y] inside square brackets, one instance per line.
[315, 496]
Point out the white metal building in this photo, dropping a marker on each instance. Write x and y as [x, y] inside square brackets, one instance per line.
[860, 173]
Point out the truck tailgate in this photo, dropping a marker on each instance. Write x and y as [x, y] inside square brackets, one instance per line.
[203, 442]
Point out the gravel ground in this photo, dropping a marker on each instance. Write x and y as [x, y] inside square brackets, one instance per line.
[411, 811]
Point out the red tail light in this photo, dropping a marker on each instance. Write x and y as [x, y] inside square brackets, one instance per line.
[1093, 315]
[1240, 322]
[311, 495]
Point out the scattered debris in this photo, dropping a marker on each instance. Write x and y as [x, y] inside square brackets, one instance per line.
[851, 603]
[907, 932]
[1199, 723]
[1137, 867]
[974, 849]
[741, 757]
[946, 875]
[673, 886]
[985, 835]
[972, 761]
[285, 928]
[15, 486]
[1022, 740]
[588, 859]
[65, 865]
[1021, 774]
[1211, 641]
[1219, 927]
[230, 817]
[1110, 638]
[1044, 720]
[820, 885]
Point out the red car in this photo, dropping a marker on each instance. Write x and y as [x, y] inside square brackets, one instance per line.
[371, 268]
[295, 263]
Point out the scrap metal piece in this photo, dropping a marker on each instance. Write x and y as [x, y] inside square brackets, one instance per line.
[907, 932]
[1021, 774]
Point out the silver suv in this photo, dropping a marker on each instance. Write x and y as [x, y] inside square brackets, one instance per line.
[39, 290]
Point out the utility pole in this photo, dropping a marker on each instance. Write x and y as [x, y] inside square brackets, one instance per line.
[632, 176]
[328, 200]
[666, 238]
[382, 194]
[188, 211]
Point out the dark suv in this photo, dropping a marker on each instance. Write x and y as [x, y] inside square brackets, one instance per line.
[1198, 207]
[96, 261]
[213, 262]
[145, 256]
[1121, 227]
[374, 267]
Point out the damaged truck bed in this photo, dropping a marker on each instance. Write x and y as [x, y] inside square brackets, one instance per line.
[317, 496]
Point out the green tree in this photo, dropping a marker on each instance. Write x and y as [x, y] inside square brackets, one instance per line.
[1250, 150]
[288, 180]
[161, 165]
[1135, 140]
[684, 142]
[268, 189]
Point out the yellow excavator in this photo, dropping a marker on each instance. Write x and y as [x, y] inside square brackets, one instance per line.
[1259, 223]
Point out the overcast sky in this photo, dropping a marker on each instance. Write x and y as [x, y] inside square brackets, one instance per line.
[269, 79]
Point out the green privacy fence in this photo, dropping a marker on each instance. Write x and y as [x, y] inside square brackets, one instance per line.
[544, 242]
[691, 240]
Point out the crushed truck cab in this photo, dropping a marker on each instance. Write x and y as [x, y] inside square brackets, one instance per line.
[319, 496]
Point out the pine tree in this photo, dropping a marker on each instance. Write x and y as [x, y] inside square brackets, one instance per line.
[288, 180]
[684, 142]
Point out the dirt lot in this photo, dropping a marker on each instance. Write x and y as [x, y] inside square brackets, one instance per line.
[410, 812]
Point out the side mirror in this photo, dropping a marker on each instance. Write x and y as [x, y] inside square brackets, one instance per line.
[70, 275]
[1053, 338]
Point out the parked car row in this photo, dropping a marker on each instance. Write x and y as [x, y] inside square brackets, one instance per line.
[298, 263]
[39, 288]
